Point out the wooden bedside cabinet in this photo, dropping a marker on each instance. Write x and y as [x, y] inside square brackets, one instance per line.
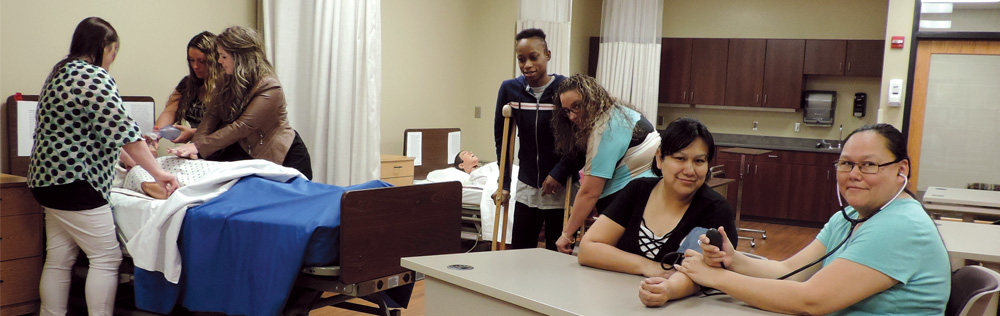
[21, 247]
[397, 170]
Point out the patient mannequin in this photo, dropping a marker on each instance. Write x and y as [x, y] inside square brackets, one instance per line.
[186, 171]
[466, 161]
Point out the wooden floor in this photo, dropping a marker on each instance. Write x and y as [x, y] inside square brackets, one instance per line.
[782, 242]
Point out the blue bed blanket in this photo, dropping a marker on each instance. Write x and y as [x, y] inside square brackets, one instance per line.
[242, 250]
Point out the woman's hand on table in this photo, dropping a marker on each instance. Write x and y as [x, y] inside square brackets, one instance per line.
[694, 267]
[564, 244]
[654, 291]
[185, 151]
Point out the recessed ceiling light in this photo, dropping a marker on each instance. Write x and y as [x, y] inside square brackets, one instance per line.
[935, 24]
[936, 8]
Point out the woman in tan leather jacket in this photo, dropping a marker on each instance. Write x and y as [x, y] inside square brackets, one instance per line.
[246, 117]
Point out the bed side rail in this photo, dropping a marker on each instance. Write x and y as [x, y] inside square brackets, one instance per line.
[380, 226]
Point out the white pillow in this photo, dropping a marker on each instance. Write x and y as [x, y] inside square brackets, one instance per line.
[448, 174]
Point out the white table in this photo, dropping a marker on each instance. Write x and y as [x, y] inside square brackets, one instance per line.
[538, 281]
[971, 241]
[965, 202]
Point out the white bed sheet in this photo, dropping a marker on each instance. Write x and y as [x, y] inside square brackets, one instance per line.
[152, 227]
[477, 189]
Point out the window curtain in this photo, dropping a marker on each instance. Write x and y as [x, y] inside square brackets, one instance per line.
[328, 56]
[553, 17]
[628, 65]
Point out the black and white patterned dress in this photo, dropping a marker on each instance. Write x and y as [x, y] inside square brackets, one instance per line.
[80, 129]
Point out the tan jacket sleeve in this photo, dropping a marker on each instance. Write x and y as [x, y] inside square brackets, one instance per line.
[260, 114]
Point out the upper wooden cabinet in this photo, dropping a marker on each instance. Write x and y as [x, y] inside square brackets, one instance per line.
[693, 71]
[765, 73]
[865, 58]
[783, 82]
[745, 73]
[675, 70]
[844, 57]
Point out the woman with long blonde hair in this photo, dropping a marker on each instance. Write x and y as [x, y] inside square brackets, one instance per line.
[246, 116]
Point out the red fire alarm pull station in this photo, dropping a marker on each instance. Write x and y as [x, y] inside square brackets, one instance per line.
[896, 42]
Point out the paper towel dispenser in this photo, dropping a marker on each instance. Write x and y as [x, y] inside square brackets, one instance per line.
[818, 107]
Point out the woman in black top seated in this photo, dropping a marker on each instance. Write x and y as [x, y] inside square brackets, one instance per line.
[652, 217]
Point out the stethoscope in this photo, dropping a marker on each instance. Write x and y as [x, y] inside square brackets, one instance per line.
[854, 223]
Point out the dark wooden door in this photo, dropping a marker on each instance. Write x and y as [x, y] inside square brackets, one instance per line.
[772, 187]
[783, 82]
[675, 71]
[745, 72]
[864, 57]
[825, 57]
[594, 51]
[814, 198]
[708, 70]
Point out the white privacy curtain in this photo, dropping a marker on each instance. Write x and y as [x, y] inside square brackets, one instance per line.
[328, 56]
[553, 17]
[628, 64]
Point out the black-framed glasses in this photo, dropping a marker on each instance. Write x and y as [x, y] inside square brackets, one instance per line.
[866, 167]
[669, 260]
[574, 110]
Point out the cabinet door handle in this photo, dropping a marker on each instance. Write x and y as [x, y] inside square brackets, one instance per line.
[397, 167]
[765, 98]
[772, 156]
[684, 96]
[828, 176]
[692, 96]
[756, 98]
[755, 169]
[840, 67]
[848, 66]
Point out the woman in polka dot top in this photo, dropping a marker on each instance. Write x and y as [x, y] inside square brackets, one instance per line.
[246, 116]
[80, 129]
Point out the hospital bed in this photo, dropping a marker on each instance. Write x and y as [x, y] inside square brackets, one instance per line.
[437, 148]
[357, 259]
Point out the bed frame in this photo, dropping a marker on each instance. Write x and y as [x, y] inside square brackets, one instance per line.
[378, 227]
[433, 148]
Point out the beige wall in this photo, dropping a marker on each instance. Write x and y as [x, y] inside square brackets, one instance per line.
[899, 22]
[813, 19]
[152, 57]
[440, 60]
[586, 23]
[443, 58]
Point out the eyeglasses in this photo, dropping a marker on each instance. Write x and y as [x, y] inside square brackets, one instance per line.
[574, 110]
[866, 167]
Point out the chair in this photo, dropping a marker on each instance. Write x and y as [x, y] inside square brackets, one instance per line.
[974, 291]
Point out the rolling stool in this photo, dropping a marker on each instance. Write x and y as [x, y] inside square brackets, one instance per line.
[739, 205]
[719, 172]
